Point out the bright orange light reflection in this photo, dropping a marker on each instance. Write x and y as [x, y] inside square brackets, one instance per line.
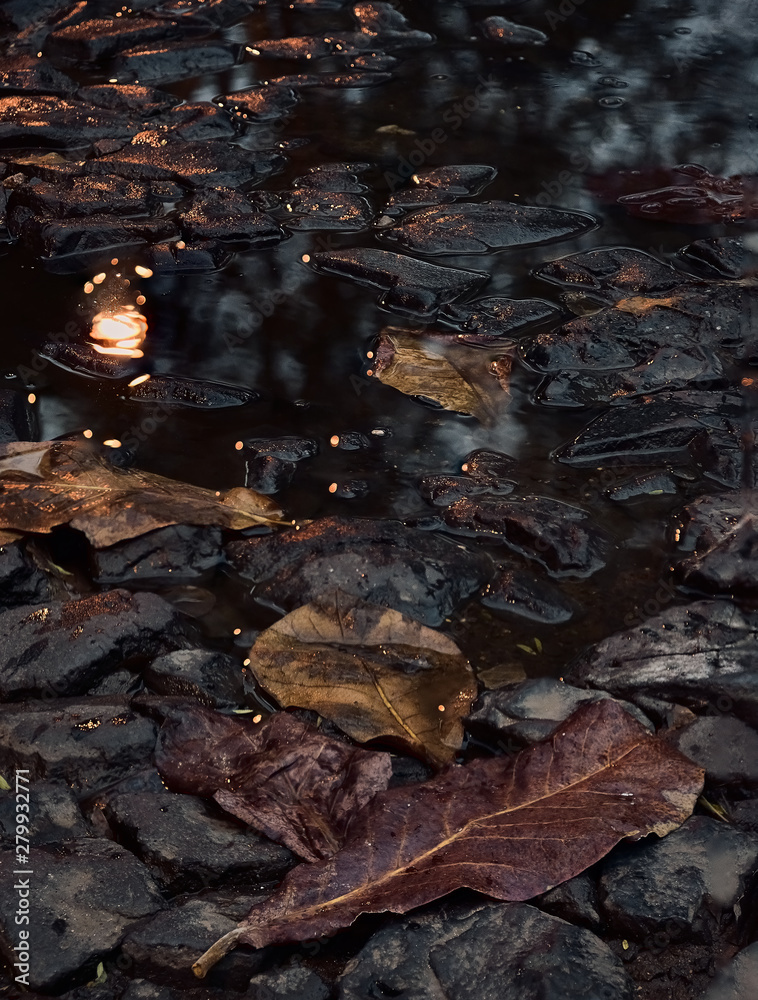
[122, 333]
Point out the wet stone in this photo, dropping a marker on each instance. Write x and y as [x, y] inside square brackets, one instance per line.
[692, 879]
[340, 178]
[491, 318]
[527, 596]
[739, 979]
[97, 39]
[179, 553]
[445, 490]
[646, 433]
[669, 369]
[79, 235]
[21, 580]
[164, 947]
[611, 274]
[701, 655]
[191, 844]
[82, 360]
[575, 901]
[644, 486]
[57, 121]
[225, 214]
[439, 185]
[19, 14]
[199, 121]
[189, 258]
[293, 981]
[722, 257]
[134, 99]
[213, 13]
[562, 538]
[266, 103]
[311, 208]
[493, 468]
[174, 390]
[174, 61]
[718, 535]
[213, 679]
[411, 287]
[724, 746]
[478, 227]
[530, 711]
[417, 573]
[83, 196]
[268, 474]
[504, 32]
[94, 891]
[27, 74]
[512, 951]
[288, 447]
[87, 744]
[56, 815]
[196, 164]
[64, 647]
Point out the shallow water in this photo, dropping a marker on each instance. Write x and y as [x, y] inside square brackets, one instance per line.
[627, 85]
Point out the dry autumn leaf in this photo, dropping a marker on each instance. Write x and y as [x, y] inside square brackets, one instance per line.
[508, 827]
[372, 671]
[285, 779]
[49, 483]
[453, 375]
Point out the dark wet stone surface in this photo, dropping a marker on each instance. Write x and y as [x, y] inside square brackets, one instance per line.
[271, 463]
[560, 537]
[504, 32]
[28, 74]
[701, 655]
[165, 946]
[646, 433]
[295, 982]
[722, 257]
[190, 844]
[724, 746]
[575, 901]
[97, 39]
[87, 743]
[412, 287]
[415, 572]
[172, 555]
[93, 891]
[67, 237]
[225, 214]
[189, 258]
[693, 878]
[513, 951]
[530, 711]
[259, 104]
[477, 227]
[214, 679]
[611, 274]
[166, 63]
[135, 99]
[645, 484]
[82, 360]
[81, 196]
[196, 164]
[60, 122]
[56, 815]
[527, 596]
[718, 536]
[198, 121]
[313, 208]
[61, 648]
[174, 390]
[21, 580]
[496, 317]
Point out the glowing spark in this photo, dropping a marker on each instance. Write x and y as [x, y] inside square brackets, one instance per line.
[87, 434]
[123, 333]
[99, 278]
[89, 288]
[112, 443]
[143, 272]
[334, 440]
[333, 488]
[31, 398]
[238, 446]
[138, 380]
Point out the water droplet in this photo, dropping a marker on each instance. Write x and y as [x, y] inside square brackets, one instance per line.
[611, 102]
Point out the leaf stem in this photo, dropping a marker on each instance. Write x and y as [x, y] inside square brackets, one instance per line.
[216, 952]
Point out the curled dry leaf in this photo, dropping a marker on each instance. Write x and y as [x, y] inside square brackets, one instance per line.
[285, 779]
[49, 483]
[449, 374]
[508, 827]
[372, 671]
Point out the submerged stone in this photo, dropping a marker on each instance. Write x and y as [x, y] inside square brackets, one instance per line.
[84, 360]
[134, 99]
[56, 121]
[504, 32]
[227, 215]
[488, 319]
[412, 287]
[527, 596]
[175, 390]
[415, 572]
[175, 61]
[187, 258]
[718, 536]
[612, 273]
[101, 38]
[80, 235]
[27, 74]
[478, 227]
[214, 679]
[82, 196]
[312, 208]
[171, 555]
